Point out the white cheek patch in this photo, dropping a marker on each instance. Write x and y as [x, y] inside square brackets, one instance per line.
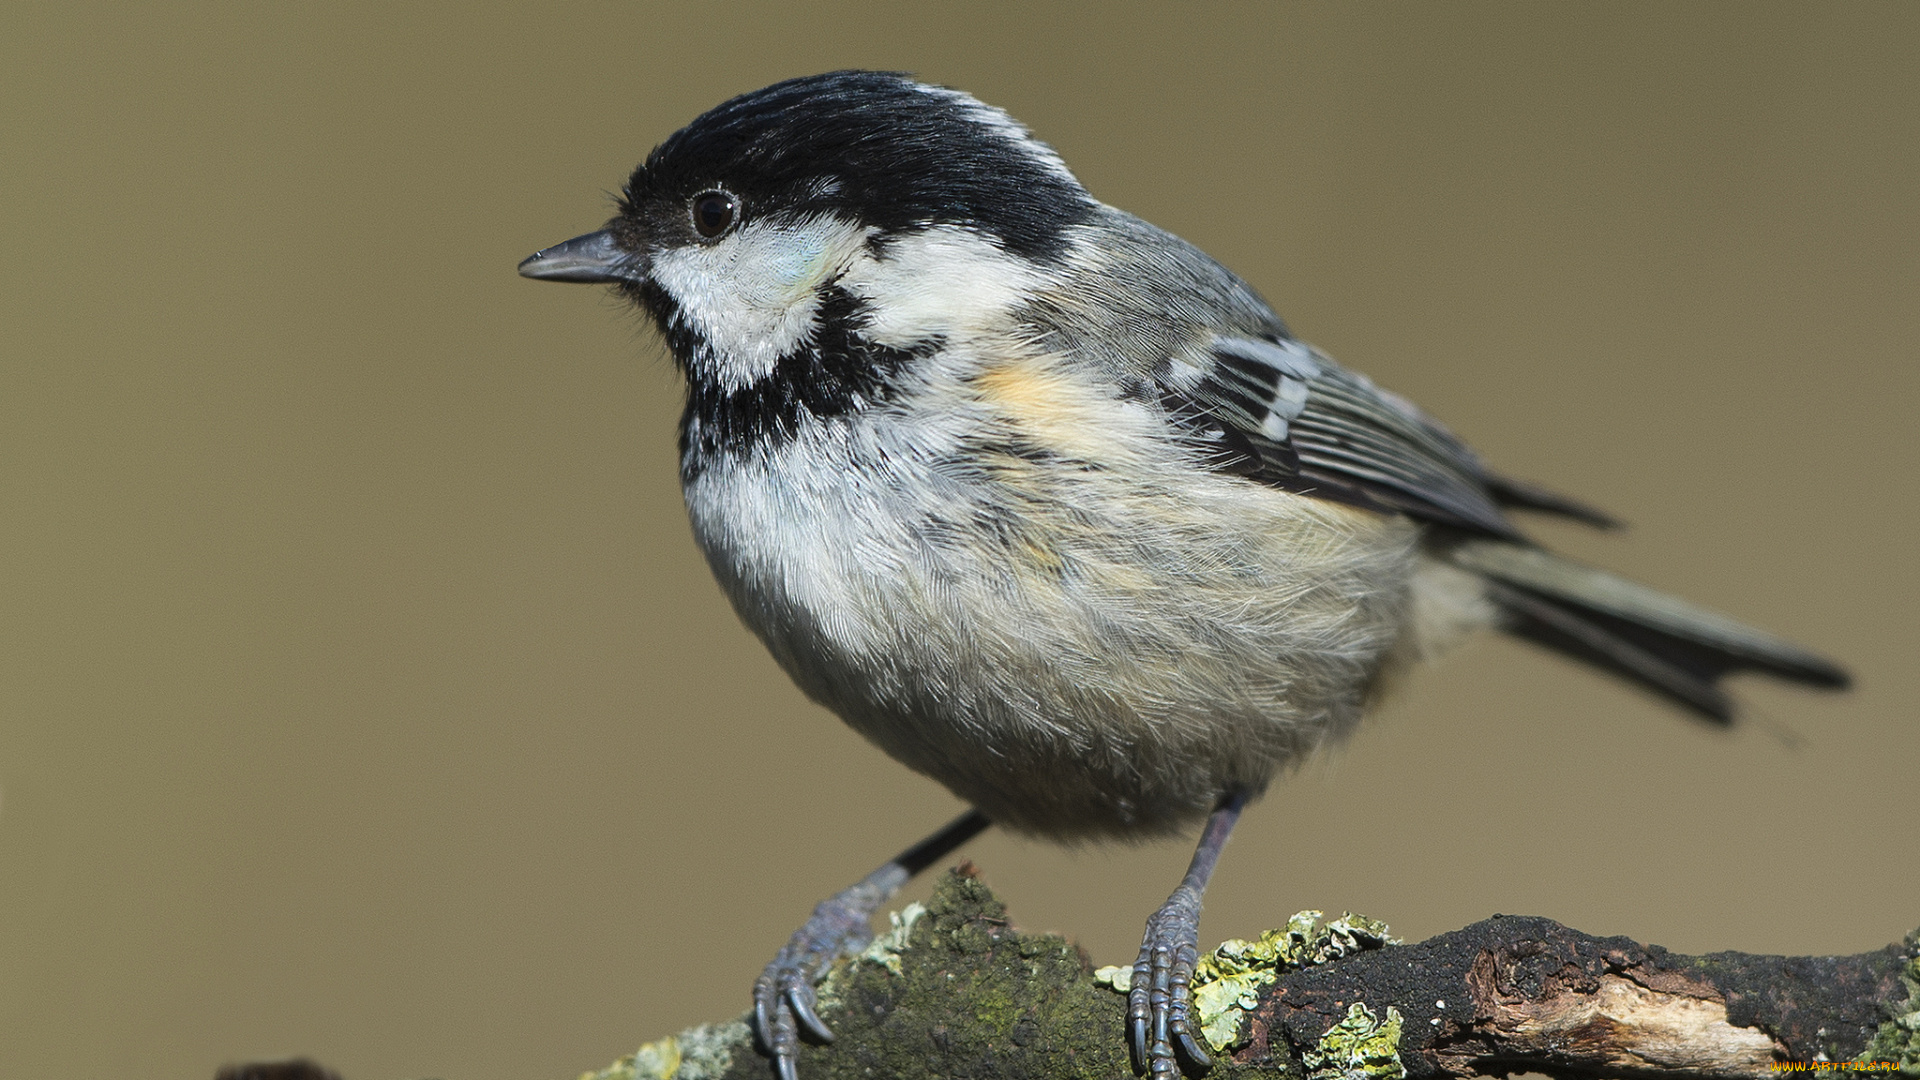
[753, 295]
[943, 282]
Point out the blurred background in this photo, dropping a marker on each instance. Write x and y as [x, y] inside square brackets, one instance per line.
[362, 694]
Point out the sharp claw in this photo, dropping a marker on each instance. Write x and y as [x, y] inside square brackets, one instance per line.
[1161, 1038]
[1196, 1058]
[783, 999]
[1139, 1011]
[800, 1000]
[761, 1026]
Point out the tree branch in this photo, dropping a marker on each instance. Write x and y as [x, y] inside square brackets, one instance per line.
[954, 990]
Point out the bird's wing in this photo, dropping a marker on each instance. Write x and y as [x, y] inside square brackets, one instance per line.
[1284, 414]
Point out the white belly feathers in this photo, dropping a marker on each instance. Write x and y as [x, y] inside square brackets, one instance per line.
[1143, 644]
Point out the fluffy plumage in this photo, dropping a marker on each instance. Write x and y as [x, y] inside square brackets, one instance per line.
[1039, 498]
[1047, 503]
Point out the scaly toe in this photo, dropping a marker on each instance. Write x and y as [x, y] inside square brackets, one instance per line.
[1160, 1034]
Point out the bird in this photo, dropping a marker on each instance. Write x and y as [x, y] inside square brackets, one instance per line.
[1053, 508]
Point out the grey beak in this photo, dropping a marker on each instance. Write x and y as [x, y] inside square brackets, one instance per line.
[593, 259]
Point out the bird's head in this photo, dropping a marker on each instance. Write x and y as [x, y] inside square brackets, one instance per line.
[848, 211]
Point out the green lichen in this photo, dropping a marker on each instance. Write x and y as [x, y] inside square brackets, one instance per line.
[1294, 943]
[1360, 1047]
[619, 1070]
[1227, 981]
[1898, 1040]
[698, 1053]
[1223, 1004]
[1352, 933]
[887, 948]
[708, 1052]
[1115, 977]
[952, 988]
[657, 1060]
[1236, 956]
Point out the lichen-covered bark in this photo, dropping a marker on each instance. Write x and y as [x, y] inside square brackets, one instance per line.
[972, 997]
[1528, 994]
[955, 991]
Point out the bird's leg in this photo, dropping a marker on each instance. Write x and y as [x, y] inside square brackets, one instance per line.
[783, 995]
[1159, 1026]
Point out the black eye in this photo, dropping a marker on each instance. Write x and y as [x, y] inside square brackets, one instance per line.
[714, 213]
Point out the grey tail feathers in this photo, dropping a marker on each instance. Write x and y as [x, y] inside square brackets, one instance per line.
[1676, 649]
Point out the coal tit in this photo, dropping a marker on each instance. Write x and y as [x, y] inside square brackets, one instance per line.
[1052, 507]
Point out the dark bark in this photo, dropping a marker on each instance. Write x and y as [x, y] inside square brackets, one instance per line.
[958, 992]
[1514, 994]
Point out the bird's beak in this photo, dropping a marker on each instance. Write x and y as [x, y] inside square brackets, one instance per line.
[594, 259]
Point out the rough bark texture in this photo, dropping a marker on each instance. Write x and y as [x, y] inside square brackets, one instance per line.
[956, 991]
[1518, 994]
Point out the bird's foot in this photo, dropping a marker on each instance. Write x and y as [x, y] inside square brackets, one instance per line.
[783, 997]
[1162, 1035]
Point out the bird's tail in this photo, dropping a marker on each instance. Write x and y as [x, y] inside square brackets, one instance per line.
[1663, 643]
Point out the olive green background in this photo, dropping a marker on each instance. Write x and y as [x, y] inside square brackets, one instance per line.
[362, 694]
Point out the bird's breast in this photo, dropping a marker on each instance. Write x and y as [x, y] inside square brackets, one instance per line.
[1036, 599]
